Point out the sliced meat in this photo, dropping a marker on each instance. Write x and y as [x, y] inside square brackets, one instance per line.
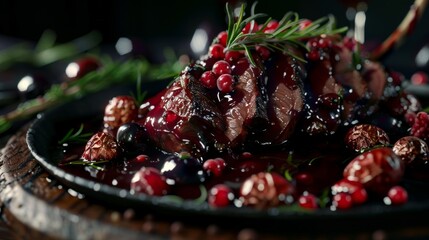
[186, 119]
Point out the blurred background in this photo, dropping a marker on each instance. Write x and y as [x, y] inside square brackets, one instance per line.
[159, 24]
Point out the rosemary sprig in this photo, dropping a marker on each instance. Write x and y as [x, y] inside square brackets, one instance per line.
[94, 165]
[112, 73]
[287, 34]
[75, 137]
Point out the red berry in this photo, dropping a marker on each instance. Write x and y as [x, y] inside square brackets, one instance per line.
[263, 52]
[222, 38]
[240, 66]
[150, 181]
[324, 43]
[225, 83]
[250, 27]
[81, 67]
[208, 79]
[100, 147]
[313, 54]
[419, 78]
[342, 201]
[271, 26]
[233, 56]
[142, 158]
[215, 166]
[304, 24]
[216, 51]
[119, 110]
[359, 196]
[220, 196]
[397, 195]
[308, 200]
[355, 189]
[304, 179]
[221, 67]
[419, 125]
[349, 43]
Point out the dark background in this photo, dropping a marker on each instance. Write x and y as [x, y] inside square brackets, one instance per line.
[171, 23]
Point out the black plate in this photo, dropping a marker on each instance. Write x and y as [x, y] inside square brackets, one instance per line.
[41, 138]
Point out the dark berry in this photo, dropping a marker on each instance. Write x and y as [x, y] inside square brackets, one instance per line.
[225, 83]
[132, 138]
[313, 55]
[100, 147]
[183, 169]
[119, 110]
[397, 195]
[220, 196]
[412, 150]
[221, 67]
[324, 43]
[264, 190]
[377, 169]
[342, 201]
[263, 52]
[208, 79]
[32, 86]
[308, 201]
[365, 136]
[81, 67]
[214, 166]
[216, 51]
[222, 37]
[150, 181]
[350, 43]
[240, 66]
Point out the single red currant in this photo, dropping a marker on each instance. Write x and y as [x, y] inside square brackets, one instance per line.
[304, 24]
[216, 51]
[208, 79]
[342, 201]
[225, 83]
[150, 181]
[308, 200]
[221, 67]
[397, 195]
[271, 26]
[263, 52]
[220, 196]
[222, 38]
[233, 56]
[214, 166]
[250, 27]
[359, 196]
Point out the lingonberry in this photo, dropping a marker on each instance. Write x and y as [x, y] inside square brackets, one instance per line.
[214, 166]
[342, 201]
[397, 195]
[304, 24]
[419, 78]
[263, 52]
[308, 200]
[225, 83]
[271, 26]
[208, 79]
[81, 67]
[222, 37]
[150, 181]
[233, 56]
[221, 67]
[220, 196]
[216, 51]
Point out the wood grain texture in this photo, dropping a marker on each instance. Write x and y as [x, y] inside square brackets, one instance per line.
[35, 206]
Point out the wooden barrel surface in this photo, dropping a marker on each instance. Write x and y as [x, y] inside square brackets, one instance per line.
[35, 206]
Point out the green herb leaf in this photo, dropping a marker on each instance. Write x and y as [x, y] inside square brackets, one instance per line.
[94, 165]
[75, 137]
